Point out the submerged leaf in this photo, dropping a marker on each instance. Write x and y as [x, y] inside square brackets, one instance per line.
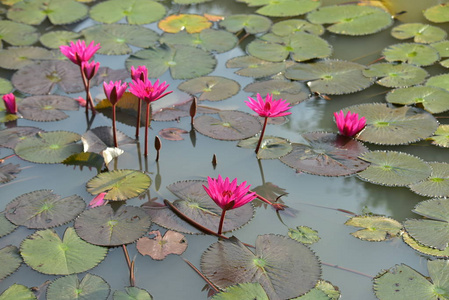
[8, 172]
[437, 185]
[159, 247]
[172, 134]
[69, 287]
[377, 228]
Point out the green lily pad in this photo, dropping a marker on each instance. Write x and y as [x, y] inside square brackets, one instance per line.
[5, 86]
[17, 292]
[6, 227]
[256, 67]
[421, 33]
[331, 291]
[231, 125]
[107, 227]
[393, 75]
[91, 287]
[283, 8]
[441, 81]
[49, 147]
[252, 24]
[116, 38]
[443, 50]
[45, 252]
[9, 137]
[59, 12]
[291, 91]
[99, 138]
[331, 77]
[8, 172]
[43, 209]
[392, 168]
[416, 54]
[10, 260]
[212, 88]
[437, 185]
[242, 291]
[15, 58]
[327, 154]
[424, 249]
[188, 22]
[403, 282]
[119, 184]
[208, 39]
[184, 62]
[295, 272]
[301, 46]
[17, 34]
[85, 159]
[271, 147]
[184, 2]
[132, 293]
[433, 99]
[137, 12]
[388, 125]
[376, 228]
[438, 13]
[289, 27]
[46, 108]
[304, 234]
[351, 19]
[54, 39]
[440, 137]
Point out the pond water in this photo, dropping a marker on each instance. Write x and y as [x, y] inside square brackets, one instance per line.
[314, 198]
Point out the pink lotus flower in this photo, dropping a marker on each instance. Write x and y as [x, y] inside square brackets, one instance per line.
[98, 200]
[268, 107]
[10, 103]
[82, 102]
[147, 91]
[228, 195]
[140, 73]
[350, 124]
[89, 69]
[114, 91]
[78, 52]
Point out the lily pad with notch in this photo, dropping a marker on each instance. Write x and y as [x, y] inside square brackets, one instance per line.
[17, 34]
[107, 227]
[17, 291]
[208, 40]
[433, 99]
[8, 172]
[9, 137]
[212, 88]
[330, 77]
[289, 27]
[99, 138]
[291, 91]
[376, 228]
[43, 209]
[255, 67]
[437, 185]
[421, 33]
[271, 147]
[248, 290]
[45, 252]
[132, 293]
[412, 53]
[15, 58]
[392, 168]
[440, 137]
[252, 24]
[46, 108]
[159, 247]
[396, 75]
[231, 125]
[189, 22]
[54, 39]
[228, 262]
[10, 260]
[438, 13]
[328, 154]
[91, 287]
[283, 8]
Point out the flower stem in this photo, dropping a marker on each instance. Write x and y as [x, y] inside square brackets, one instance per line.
[139, 108]
[261, 134]
[220, 227]
[130, 266]
[113, 126]
[89, 100]
[147, 116]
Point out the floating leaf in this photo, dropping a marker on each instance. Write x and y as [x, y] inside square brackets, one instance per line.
[392, 75]
[440, 137]
[351, 19]
[289, 27]
[107, 227]
[438, 13]
[416, 54]
[327, 154]
[85, 159]
[184, 62]
[443, 50]
[326, 287]
[54, 39]
[271, 147]
[180, 110]
[136, 11]
[15, 58]
[10, 260]
[392, 168]
[304, 234]
[301, 46]
[98, 139]
[253, 291]
[119, 184]
[441, 81]
[434, 100]
[172, 134]
[252, 24]
[184, 2]
[424, 249]
[189, 23]
[388, 125]
[17, 292]
[5, 86]
[9, 137]
[437, 185]
[422, 33]
[46, 108]
[256, 67]
[17, 34]
[159, 247]
[59, 12]
[232, 125]
[115, 38]
[43, 209]
[283, 8]
[376, 228]
[69, 287]
[8, 172]
[6, 227]
[132, 293]
[49, 147]
[291, 91]
[106, 74]
[331, 77]
[291, 274]
[208, 39]
[45, 252]
[212, 88]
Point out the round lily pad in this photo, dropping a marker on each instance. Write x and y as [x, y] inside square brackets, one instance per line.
[351, 19]
[15, 58]
[9, 137]
[304, 234]
[212, 88]
[255, 67]
[392, 168]
[228, 262]
[172, 134]
[433, 99]
[43, 209]
[10, 260]
[99, 138]
[46, 108]
[208, 39]
[188, 22]
[107, 227]
[424, 249]
[328, 154]
[231, 125]
[441, 81]
[270, 148]
[443, 50]
[132, 293]
[49, 147]
[119, 184]
[283, 8]
[376, 228]
[331, 77]
[291, 91]
[289, 27]
[252, 24]
[18, 34]
[437, 185]
[242, 291]
[388, 125]
[440, 137]
[393, 75]
[438, 13]
[45, 252]
[54, 39]
[91, 287]
[17, 291]
[6, 227]
[412, 53]
[421, 33]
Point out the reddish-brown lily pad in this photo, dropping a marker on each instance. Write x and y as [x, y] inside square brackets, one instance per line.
[9, 137]
[159, 247]
[172, 134]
